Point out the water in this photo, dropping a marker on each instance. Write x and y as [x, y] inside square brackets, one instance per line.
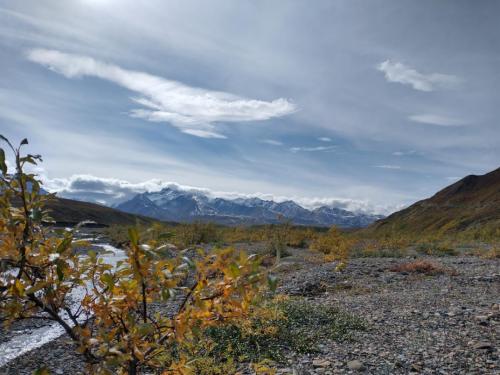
[28, 340]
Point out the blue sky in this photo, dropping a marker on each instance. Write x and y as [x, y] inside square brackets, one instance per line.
[368, 105]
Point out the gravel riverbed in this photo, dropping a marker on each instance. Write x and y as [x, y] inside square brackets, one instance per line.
[441, 324]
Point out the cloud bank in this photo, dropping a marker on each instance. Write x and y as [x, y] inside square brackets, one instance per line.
[401, 73]
[111, 191]
[192, 110]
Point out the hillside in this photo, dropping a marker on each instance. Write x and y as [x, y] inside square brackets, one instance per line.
[70, 212]
[471, 205]
[186, 206]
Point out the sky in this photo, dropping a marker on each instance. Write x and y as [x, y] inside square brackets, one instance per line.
[365, 105]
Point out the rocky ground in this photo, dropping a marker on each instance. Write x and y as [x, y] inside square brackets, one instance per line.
[441, 324]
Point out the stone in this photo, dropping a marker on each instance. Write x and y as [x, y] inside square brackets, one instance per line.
[355, 365]
[415, 367]
[483, 345]
[321, 363]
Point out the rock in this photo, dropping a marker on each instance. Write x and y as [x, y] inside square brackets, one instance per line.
[355, 365]
[482, 320]
[415, 367]
[483, 345]
[321, 363]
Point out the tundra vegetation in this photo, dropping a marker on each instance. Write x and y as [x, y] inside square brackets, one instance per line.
[203, 309]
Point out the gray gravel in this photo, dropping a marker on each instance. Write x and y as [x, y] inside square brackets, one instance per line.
[418, 324]
[445, 324]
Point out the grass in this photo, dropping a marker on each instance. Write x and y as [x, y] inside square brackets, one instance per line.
[436, 249]
[286, 325]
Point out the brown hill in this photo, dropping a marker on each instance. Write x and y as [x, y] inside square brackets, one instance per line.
[70, 212]
[471, 205]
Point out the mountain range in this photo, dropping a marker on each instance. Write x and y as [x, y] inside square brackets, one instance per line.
[172, 204]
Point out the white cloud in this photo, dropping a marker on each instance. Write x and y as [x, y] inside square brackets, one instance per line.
[387, 166]
[194, 111]
[400, 73]
[436, 120]
[313, 149]
[324, 139]
[272, 142]
[404, 153]
[112, 191]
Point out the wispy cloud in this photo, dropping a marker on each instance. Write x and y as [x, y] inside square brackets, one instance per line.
[312, 149]
[387, 166]
[272, 142]
[324, 139]
[401, 73]
[194, 111]
[438, 120]
[404, 153]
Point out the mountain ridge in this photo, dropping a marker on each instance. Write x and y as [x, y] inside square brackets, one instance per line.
[178, 205]
[470, 204]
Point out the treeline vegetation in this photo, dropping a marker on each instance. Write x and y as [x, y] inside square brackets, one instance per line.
[333, 243]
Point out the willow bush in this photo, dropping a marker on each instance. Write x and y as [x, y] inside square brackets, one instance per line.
[112, 320]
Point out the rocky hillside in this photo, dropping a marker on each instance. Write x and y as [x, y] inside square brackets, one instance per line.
[471, 204]
[178, 205]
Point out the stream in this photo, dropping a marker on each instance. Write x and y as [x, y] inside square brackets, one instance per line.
[29, 339]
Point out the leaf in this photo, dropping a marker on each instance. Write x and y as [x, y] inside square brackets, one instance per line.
[64, 245]
[145, 329]
[189, 262]
[3, 165]
[60, 272]
[108, 280]
[19, 287]
[36, 214]
[134, 236]
[272, 281]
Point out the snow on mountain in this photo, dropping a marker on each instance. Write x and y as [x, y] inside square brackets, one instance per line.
[178, 205]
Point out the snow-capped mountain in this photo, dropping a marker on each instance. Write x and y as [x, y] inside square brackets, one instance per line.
[185, 206]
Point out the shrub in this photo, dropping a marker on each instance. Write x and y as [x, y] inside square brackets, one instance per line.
[492, 253]
[333, 244]
[277, 237]
[436, 249]
[113, 323]
[280, 326]
[424, 267]
[196, 233]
